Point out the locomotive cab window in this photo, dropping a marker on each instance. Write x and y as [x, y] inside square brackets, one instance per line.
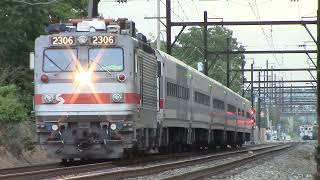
[106, 59]
[59, 60]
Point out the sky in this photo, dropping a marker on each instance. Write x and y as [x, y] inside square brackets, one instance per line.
[252, 37]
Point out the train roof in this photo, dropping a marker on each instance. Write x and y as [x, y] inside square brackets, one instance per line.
[163, 54]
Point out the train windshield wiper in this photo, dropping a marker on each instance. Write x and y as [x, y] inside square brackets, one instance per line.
[53, 62]
[105, 69]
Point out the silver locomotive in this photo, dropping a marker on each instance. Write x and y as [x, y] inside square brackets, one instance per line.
[102, 92]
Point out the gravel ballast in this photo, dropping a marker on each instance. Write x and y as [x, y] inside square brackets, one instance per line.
[297, 164]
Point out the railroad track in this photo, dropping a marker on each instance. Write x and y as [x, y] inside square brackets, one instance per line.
[29, 168]
[57, 169]
[54, 170]
[215, 170]
[143, 171]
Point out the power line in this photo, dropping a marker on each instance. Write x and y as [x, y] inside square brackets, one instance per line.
[257, 14]
[183, 10]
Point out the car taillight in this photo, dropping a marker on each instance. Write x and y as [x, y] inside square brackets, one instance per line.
[121, 77]
[44, 78]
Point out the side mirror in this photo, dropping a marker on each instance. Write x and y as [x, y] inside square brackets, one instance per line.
[31, 60]
[159, 68]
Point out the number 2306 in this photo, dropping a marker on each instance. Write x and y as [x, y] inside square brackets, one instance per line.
[102, 40]
[63, 40]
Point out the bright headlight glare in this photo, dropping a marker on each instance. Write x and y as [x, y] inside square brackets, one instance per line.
[83, 78]
[48, 98]
[113, 126]
[82, 39]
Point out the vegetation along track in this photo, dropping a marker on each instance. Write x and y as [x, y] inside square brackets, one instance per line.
[148, 170]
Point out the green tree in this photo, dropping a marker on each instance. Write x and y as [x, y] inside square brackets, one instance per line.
[21, 24]
[189, 49]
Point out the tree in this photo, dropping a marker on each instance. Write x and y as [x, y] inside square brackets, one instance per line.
[189, 48]
[11, 109]
[22, 24]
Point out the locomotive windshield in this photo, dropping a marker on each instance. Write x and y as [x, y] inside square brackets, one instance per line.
[59, 60]
[106, 59]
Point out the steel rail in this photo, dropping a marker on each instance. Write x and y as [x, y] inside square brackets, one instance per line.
[215, 170]
[138, 172]
[43, 173]
[29, 168]
[50, 173]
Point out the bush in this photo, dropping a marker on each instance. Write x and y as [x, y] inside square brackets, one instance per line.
[17, 134]
[11, 109]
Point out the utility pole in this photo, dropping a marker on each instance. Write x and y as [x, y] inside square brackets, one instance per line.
[291, 115]
[93, 8]
[252, 101]
[276, 103]
[228, 62]
[259, 104]
[271, 97]
[281, 100]
[168, 25]
[267, 67]
[317, 176]
[242, 72]
[158, 25]
[264, 85]
[252, 96]
[205, 40]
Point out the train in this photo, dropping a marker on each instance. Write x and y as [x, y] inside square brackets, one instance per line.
[308, 132]
[102, 92]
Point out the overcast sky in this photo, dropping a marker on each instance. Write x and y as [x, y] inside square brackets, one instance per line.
[252, 37]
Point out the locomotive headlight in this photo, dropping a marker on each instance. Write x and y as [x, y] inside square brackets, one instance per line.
[117, 97]
[48, 98]
[54, 127]
[83, 78]
[113, 126]
[82, 39]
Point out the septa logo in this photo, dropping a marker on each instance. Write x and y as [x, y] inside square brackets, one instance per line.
[59, 99]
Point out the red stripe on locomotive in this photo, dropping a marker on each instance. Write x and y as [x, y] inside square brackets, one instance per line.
[91, 98]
